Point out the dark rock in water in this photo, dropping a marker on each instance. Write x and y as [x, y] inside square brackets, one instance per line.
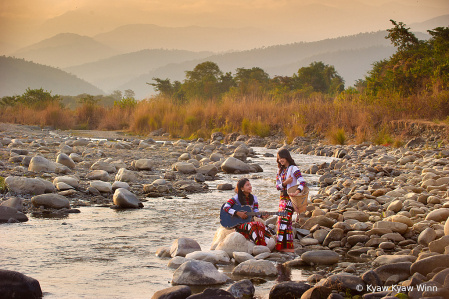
[268, 155]
[242, 289]
[212, 294]
[177, 292]
[18, 286]
[288, 290]
[224, 187]
[6, 213]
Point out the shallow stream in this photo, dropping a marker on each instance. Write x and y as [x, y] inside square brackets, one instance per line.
[105, 253]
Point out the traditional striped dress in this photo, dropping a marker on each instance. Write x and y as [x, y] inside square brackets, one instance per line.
[284, 224]
[254, 230]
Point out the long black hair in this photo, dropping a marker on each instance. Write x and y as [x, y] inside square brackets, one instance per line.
[239, 191]
[284, 153]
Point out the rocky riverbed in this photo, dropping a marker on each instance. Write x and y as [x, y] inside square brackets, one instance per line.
[376, 227]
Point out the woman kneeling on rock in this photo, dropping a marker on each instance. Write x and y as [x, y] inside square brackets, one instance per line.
[255, 231]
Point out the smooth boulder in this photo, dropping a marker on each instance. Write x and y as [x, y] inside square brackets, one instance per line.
[23, 185]
[126, 199]
[320, 257]
[198, 273]
[256, 268]
[7, 213]
[184, 246]
[18, 286]
[54, 201]
[233, 165]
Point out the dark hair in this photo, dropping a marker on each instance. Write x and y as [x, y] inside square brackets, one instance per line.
[241, 196]
[284, 153]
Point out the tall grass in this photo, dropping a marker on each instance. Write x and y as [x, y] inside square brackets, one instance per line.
[253, 114]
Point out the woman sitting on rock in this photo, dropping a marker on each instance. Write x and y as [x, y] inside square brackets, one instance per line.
[254, 230]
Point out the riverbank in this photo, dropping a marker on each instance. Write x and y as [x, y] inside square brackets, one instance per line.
[378, 209]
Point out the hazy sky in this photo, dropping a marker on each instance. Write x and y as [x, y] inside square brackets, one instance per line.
[25, 21]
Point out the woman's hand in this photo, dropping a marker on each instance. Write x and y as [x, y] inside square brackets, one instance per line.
[242, 215]
[288, 181]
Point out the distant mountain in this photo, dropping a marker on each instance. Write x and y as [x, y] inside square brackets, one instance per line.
[112, 72]
[351, 55]
[193, 38]
[65, 49]
[441, 21]
[16, 75]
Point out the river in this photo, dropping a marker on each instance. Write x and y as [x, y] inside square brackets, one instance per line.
[106, 253]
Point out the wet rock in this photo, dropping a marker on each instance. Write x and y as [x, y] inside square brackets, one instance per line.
[288, 289]
[233, 165]
[177, 292]
[53, 201]
[23, 185]
[7, 213]
[320, 257]
[256, 268]
[126, 199]
[65, 160]
[184, 246]
[13, 202]
[198, 273]
[18, 286]
[242, 289]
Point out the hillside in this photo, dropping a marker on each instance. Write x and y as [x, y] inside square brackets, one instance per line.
[346, 53]
[114, 71]
[441, 21]
[65, 49]
[16, 75]
[193, 38]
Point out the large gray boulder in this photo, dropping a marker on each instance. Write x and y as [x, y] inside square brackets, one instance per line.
[41, 164]
[198, 273]
[6, 213]
[233, 242]
[101, 186]
[126, 199]
[203, 256]
[69, 180]
[53, 201]
[101, 175]
[23, 185]
[184, 246]
[242, 289]
[233, 165]
[184, 167]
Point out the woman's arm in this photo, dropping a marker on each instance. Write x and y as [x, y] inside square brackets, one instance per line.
[279, 185]
[228, 206]
[299, 179]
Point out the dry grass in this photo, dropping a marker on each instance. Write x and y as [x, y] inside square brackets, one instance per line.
[254, 114]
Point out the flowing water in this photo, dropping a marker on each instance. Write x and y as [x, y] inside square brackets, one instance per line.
[106, 253]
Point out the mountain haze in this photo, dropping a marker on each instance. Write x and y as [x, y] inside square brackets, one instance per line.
[286, 59]
[16, 75]
[441, 21]
[65, 49]
[109, 73]
[136, 37]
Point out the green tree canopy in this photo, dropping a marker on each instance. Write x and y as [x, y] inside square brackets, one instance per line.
[321, 77]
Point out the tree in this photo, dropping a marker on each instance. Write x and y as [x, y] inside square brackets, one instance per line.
[203, 82]
[116, 95]
[401, 37]
[129, 94]
[164, 87]
[321, 77]
[38, 98]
